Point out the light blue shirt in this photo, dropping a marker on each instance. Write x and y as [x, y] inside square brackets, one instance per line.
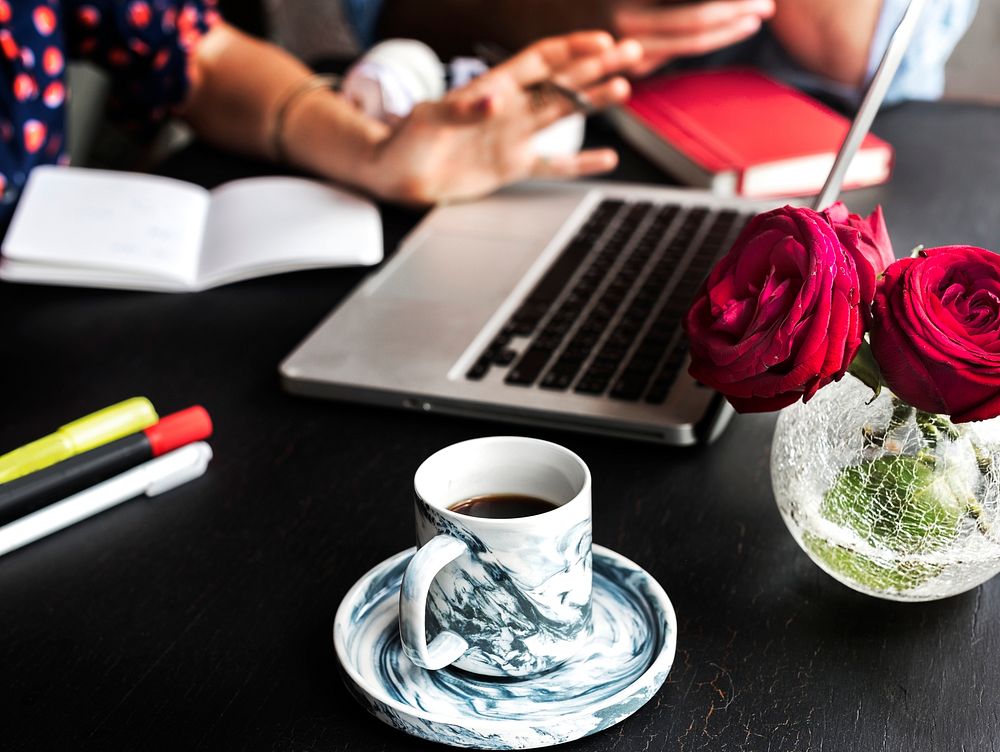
[921, 71]
[920, 74]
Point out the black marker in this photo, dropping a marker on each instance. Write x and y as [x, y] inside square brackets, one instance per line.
[31, 492]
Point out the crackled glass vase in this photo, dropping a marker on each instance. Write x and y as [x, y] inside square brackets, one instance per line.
[889, 500]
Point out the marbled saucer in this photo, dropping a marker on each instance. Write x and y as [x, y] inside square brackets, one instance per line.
[626, 662]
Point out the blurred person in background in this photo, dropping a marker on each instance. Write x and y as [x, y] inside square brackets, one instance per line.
[827, 47]
[179, 57]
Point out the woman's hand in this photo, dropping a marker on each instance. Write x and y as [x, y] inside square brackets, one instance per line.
[470, 143]
[479, 138]
[671, 31]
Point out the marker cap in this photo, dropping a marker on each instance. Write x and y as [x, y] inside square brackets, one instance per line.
[82, 435]
[111, 423]
[179, 429]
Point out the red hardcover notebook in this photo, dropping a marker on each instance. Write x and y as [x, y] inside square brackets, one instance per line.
[737, 131]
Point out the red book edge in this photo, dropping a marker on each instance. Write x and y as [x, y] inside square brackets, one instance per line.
[685, 135]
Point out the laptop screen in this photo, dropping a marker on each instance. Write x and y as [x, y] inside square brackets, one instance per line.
[873, 98]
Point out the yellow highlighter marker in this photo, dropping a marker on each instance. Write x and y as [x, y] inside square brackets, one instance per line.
[81, 435]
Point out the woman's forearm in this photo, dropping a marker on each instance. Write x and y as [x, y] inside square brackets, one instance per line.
[251, 97]
[239, 84]
[829, 37]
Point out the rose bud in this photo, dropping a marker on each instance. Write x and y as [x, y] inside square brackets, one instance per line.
[783, 313]
[936, 331]
[874, 237]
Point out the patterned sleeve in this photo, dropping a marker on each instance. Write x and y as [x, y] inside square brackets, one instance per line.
[145, 45]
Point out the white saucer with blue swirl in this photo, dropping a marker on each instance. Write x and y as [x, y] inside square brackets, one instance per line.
[626, 662]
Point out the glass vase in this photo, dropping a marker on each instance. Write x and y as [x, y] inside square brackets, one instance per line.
[891, 501]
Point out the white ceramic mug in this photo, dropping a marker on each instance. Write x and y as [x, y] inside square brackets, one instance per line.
[501, 597]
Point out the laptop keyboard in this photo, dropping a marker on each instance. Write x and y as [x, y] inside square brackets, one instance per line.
[605, 317]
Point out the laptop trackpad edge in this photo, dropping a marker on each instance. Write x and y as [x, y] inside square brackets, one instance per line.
[460, 268]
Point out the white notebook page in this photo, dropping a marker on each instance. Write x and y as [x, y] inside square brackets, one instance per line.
[145, 225]
[268, 225]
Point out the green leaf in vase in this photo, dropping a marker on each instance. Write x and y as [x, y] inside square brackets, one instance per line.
[868, 572]
[897, 502]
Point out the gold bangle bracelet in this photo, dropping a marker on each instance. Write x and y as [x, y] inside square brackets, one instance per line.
[311, 83]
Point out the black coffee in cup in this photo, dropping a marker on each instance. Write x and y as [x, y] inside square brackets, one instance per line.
[503, 506]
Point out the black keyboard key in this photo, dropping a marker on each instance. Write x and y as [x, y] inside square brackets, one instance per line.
[577, 350]
[674, 309]
[525, 321]
[501, 340]
[599, 374]
[547, 342]
[556, 380]
[591, 385]
[479, 369]
[565, 315]
[647, 295]
[643, 363]
[504, 357]
[522, 328]
[609, 206]
[616, 225]
[610, 356]
[620, 283]
[493, 349]
[656, 339]
[557, 328]
[530, 311]
[573, 356]
[620, 337]
[629, 386]
[555, 279]
[668, 373]
[640, 309]
[604, 365]
[660, 387]
[672, 367]
[613, 298]
[658, 392]
[631, 322]
[565, 369]
[526, 370]
[583, 342]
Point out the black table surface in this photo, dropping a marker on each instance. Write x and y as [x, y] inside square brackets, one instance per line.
[201, 619]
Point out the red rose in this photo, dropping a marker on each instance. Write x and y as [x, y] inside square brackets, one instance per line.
[874, 238]
[936, 333]
[783, 313]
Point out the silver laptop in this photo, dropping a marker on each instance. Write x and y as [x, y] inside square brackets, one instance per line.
[555, 305]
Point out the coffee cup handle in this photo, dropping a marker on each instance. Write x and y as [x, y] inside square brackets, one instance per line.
[447, 647]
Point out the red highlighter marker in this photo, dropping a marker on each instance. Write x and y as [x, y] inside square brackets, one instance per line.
[36, 490]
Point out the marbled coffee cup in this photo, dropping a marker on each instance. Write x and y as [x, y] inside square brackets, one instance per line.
[500, 597]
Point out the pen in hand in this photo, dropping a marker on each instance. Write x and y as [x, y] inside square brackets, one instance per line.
[494, 55]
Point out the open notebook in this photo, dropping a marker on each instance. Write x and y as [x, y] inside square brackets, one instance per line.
[97, 228]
